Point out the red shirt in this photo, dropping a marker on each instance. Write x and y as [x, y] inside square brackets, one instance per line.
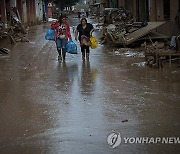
[61, 29]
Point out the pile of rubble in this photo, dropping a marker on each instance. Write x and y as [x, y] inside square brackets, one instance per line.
[120, 28]
[4, 51]
[13, 30]
[159, 52]
[118, 16]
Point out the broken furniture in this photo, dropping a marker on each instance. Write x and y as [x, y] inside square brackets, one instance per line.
[157, 53]
[122, 36]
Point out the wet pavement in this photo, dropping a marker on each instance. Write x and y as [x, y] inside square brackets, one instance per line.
[51, 107]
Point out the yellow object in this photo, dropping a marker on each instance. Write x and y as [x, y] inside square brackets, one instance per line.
[94, 42]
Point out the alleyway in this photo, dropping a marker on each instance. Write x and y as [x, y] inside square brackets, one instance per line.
[51, 107]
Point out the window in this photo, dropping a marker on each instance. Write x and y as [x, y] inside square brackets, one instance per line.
[166, 9]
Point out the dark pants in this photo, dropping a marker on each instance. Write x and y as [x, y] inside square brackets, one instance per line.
[62, 53]
[60, 44]
[85, 51]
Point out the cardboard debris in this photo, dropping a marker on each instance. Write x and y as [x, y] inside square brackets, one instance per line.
[120, 28]
[134, 36]
[122, 36]
[153, 35]
[158, 52]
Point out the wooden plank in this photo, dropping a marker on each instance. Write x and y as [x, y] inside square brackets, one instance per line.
[18, 15]
[134, 36]
[153, 35]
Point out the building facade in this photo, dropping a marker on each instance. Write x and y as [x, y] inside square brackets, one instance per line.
[156, 10]
[30, 12]
[147, 10]
[97, 6]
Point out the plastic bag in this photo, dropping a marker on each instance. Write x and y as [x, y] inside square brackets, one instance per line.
[71, 47]
[85, 41]
[94, 42]
[50, 34]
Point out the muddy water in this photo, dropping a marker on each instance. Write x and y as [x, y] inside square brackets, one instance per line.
[47, 106]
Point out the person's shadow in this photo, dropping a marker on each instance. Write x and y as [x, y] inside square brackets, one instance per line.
[88, 77]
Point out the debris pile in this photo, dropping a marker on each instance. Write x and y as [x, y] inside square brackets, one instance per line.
[117, 16]
[13, 29]
[159, 52]
[121, 29]
[4, 51]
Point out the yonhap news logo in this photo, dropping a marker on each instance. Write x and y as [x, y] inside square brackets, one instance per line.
[115, 139]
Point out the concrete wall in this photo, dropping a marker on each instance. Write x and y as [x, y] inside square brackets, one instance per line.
[39, 11]
[13, 3]
[24, 12]
[130, 5]
[50, 10]
[152, 10]
[159, 10]
[174, 6]
[156, 13]
[121, 3]
[30, 11]
[3, 11]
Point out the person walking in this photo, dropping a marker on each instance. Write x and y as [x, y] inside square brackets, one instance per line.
[79, 14]
[62, 35]
[83, 33]
[87, 13]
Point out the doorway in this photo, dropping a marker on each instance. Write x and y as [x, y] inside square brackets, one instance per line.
[142, 10]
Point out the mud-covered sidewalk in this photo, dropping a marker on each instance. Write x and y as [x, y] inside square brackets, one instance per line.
[51, 107]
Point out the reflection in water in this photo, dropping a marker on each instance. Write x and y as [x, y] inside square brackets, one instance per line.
[88, 77]
[66, 75]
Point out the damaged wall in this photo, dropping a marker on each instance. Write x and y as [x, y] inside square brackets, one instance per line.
[156, 10]
[30, 11]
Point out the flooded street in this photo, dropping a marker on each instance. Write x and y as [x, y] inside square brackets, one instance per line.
[51, 107]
